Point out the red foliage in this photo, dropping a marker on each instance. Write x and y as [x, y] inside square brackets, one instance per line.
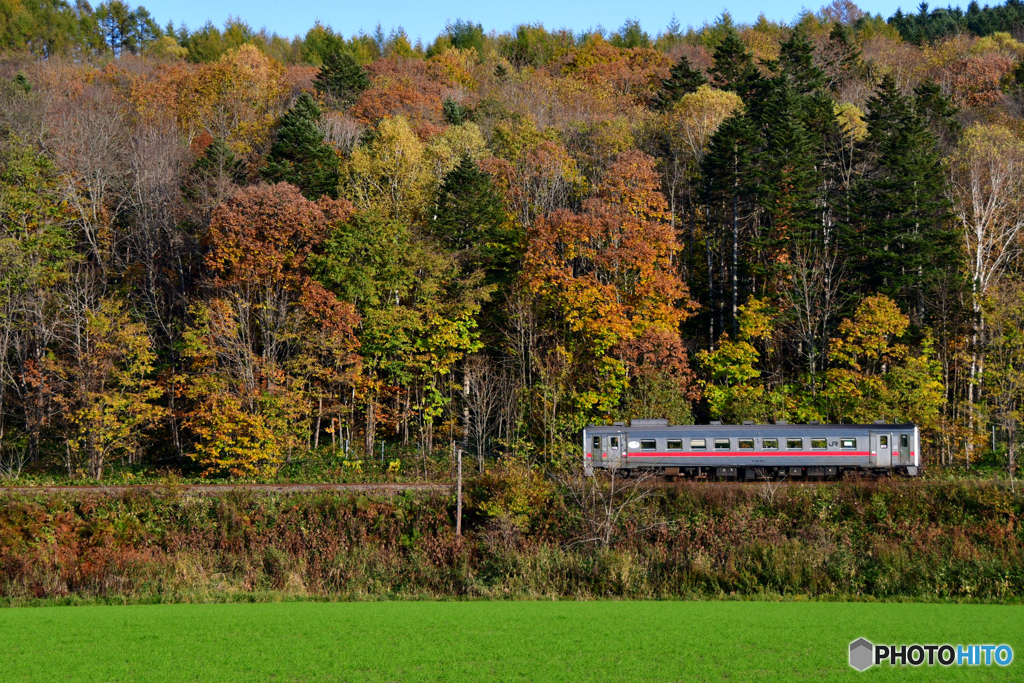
[400, 86]
[978, 81]
[660, 351]
[265, 233]
[699, 56]
[299, 79]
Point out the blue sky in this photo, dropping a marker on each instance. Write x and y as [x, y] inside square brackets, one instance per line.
[426, 19]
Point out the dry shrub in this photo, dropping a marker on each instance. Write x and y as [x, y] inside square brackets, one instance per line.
[883, 540]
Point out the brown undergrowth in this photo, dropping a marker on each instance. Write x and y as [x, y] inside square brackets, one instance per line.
[527, 537]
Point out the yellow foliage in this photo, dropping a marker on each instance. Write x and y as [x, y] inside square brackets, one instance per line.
[867, 339]
[734, 391]
[851, 120]
[756, 320]
[695, 118]
[764, 46]
[236, 99]
[455, 66]
[947, 52]
[231, 439]
[391, 175]
[444, 151]
[166, 47]
[999, 42]
[517, 496]
[245, 422]
[110, 401]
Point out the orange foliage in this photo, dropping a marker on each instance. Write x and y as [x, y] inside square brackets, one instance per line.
[237, 98]
[399, 86]
[636, 72]
[660, 352]
[607, 270]
[266, 232]
[262, 238]
[977, 81]
[270, 339]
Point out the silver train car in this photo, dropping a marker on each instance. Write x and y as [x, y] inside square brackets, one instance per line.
[752, 452]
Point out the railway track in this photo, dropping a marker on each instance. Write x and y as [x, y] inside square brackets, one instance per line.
[213, 489]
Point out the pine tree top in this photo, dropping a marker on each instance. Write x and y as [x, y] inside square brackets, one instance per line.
[682, 80]
[341, 79]
[300, 156]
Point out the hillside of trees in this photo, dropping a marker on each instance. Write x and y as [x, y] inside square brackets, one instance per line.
[223, 250]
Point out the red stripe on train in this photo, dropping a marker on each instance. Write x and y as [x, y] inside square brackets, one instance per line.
[747, 454]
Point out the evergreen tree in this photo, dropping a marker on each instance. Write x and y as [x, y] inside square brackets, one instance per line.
[796, 63]
[219, 162]
[734, 66]
[804, 85]
[788, 175]
[471, 218]
[730, 184]
[341, 79]
[901, 234]
[453, 112]
[300, 156]
[938, 111]
[682, 80]
[214, 176]
[22, 82]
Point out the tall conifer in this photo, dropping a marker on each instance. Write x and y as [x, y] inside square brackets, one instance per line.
[734, 67]
[682, 80]
[300, 156]
[471, 218]
[901, 232]
[341, 79]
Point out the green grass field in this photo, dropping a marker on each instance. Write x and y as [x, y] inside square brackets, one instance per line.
[490, 641]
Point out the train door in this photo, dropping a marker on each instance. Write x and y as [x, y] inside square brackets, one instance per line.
[881, 449]
[597, 451]
[903, 444]
[616, 443]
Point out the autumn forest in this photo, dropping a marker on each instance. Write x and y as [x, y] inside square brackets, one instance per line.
[224, 250]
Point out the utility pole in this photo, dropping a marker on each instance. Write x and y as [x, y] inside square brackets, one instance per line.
[458, 491]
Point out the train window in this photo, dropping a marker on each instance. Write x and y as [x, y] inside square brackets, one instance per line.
[904, 441]
[613, 442]
[722, 444]
[770, 444]
[848, 443]
[648, 445]
[794, 444]
[675, 444]
[746, 444]
[819, 444]
[597, 444]
[883, 441]
[698, 444]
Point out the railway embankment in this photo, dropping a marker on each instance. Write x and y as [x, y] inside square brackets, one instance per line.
[526, 535]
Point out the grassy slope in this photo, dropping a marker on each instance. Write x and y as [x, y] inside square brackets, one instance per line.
[570, 641]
